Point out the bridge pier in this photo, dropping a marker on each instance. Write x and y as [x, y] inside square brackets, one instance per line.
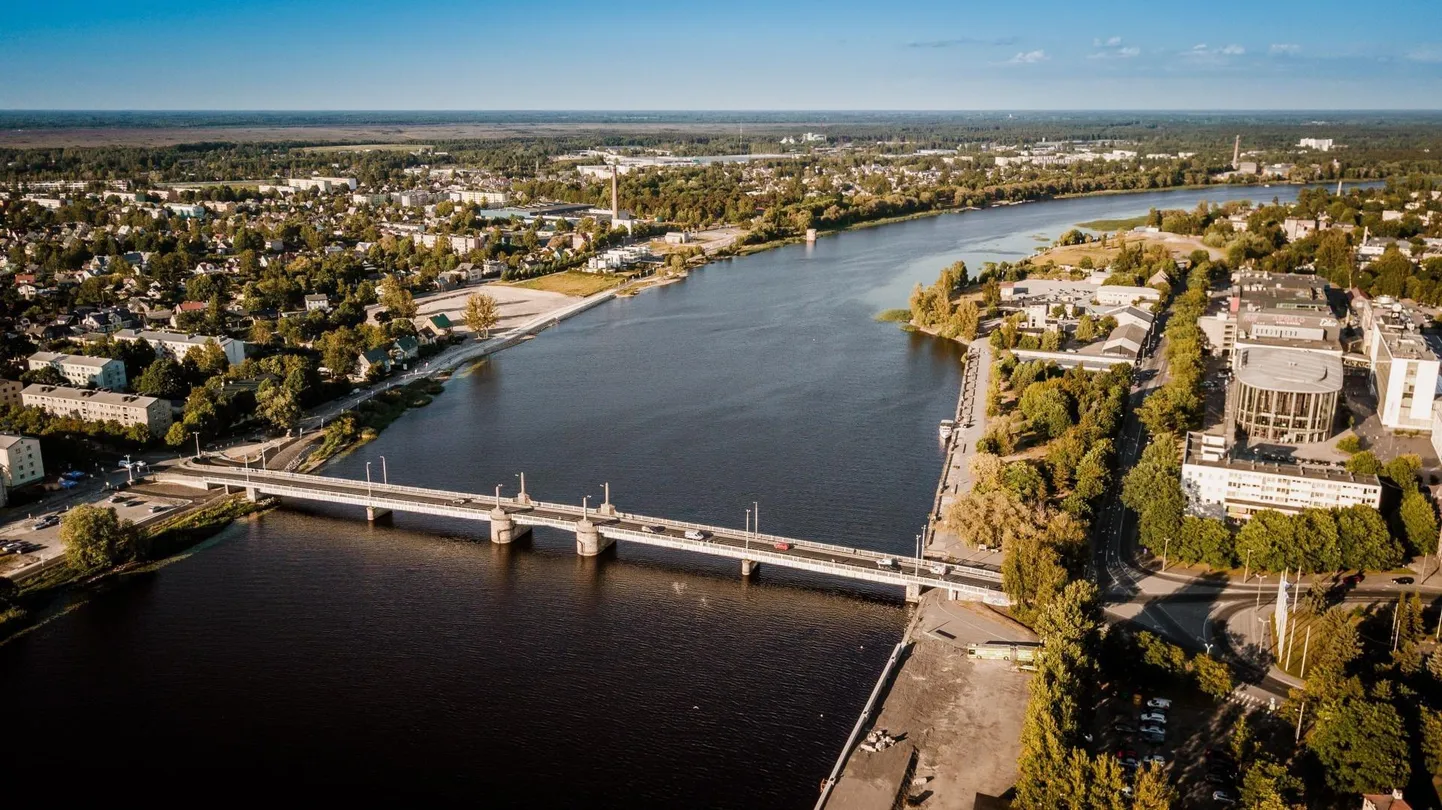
[252, 494]
[503, 527]
[913, 594]
[748, 567]
[374, 513]
[589, 541]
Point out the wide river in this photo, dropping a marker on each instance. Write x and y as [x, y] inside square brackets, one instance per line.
[308, 655]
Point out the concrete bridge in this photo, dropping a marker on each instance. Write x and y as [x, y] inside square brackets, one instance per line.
[598, 528]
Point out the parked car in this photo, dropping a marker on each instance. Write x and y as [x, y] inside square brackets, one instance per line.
[1124, 727]
[1403, 580]
[1223, 797]
[159, 507]
[1157, 758]
[45, 522]
[696, 534]
[1154, 717]
[1154, 731]
[1159, 703]
[117, 499]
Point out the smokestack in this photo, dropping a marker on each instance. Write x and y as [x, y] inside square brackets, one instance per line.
[1237, 153]
[615, 197]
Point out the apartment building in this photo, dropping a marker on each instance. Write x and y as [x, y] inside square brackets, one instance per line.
[10, 393]
[20, 461]
[100, 372]
[178, 344]
[100, 406]
[1404, 370]
[1217, 485]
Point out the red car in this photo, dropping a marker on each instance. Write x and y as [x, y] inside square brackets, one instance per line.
[783, 546]
[1354, 579]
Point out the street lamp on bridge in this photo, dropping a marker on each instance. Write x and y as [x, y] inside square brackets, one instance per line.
[385, 478]
[368, 479]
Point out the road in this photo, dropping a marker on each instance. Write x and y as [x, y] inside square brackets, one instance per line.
[853, 563]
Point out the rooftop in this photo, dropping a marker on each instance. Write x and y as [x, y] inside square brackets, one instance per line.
[79, 394]
[71, 359]
[1192, 455]
[1298, 371]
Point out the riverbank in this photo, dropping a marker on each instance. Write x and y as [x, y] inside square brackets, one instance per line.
[57, 589]
[957, 719]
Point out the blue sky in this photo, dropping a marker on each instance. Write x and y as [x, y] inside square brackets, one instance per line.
[742, 54]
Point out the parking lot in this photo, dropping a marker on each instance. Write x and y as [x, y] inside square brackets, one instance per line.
[39, 545]
[1192, 743]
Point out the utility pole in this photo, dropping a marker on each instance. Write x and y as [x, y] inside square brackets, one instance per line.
[1306, 645]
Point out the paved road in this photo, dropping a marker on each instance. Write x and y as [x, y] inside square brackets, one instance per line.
[719, 540]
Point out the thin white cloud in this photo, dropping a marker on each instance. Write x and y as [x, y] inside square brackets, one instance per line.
[1426, 53]
[1109, 42]
[1234, 50]
[1202, 53]
[1118, 53]
[1028, 57]
[1284, 49]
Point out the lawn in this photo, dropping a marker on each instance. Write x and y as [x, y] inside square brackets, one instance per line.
[1113, 224]
[574, 282]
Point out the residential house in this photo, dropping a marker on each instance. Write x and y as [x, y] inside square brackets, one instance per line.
[20, 461]
[99, 372]
[375, 358]
[319, 301]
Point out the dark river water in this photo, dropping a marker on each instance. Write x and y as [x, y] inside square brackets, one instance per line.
[307, 655]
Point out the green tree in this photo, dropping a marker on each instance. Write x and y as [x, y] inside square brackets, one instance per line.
[1213, 676]
[482, 313]
[1361, 743]
[277, 404]
[396, 298]
[1364, 463]
[1153, 790]
[96, 539]
[1419, 521]
[164, 378]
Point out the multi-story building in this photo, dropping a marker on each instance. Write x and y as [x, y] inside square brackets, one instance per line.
[1273, 307]
[77, 369]
[1286, 395]
[10, 393]
[100, 406]
[20, 461]
[1217, 485]
[326, 184]
[487, 198]
[1404, 370]
[1116, 295]
[178, 344]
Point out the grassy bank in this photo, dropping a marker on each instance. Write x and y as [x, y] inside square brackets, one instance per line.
[49, 593]
[574, 282]
[1113, 224]
[894, 316]
[352, 430]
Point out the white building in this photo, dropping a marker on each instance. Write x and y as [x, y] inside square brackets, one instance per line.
[1218, 486]
[100, 372]
[1404, 372]
[326, 184]
[179, 344]
[1116, 295]
[1320, 144]
[20, 462]
[485, 198]
[318, 301]
[366, 198]
[100, 406]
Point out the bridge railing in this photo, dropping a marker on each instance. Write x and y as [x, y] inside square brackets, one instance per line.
[258, 476]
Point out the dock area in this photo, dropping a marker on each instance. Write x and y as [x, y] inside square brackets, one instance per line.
[956, 721]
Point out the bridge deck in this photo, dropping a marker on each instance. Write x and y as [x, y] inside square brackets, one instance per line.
[974, 583]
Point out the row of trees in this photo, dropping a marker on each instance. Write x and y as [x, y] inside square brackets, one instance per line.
[1054, 769]
[934, 308]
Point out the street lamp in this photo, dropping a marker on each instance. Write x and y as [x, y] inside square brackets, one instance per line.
[368, 479]
[498, 494]
[197, 444]
[585, 505]
[918, 555]
[746, 538]
[385, 478]
[756, 519]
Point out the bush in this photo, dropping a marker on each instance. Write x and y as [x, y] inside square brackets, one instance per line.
[1350, 444]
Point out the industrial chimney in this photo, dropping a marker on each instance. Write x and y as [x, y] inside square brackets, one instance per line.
[615, 197]
[1237, 153]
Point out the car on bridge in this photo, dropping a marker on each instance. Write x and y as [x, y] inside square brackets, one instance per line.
[654, 528]
[886, 562]
[696, 534]
[782, 545]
